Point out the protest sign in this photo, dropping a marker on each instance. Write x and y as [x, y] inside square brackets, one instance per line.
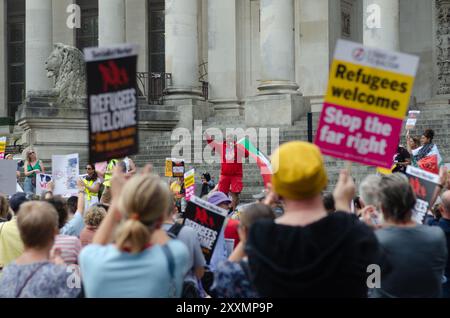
[412, 119]
[365, 104]
[384, 170]
[174, 167]
[65, 174]
[207, 220]
[112, 102]
[2, 147]
[8, 178]
[189, 184]
[100, 168]
[424, 185]
[42, 181]
[168, 170]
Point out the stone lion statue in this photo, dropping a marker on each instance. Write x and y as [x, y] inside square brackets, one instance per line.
[66, 65]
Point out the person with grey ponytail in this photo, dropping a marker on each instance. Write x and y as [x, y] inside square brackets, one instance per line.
[416, 253]
[142, 262]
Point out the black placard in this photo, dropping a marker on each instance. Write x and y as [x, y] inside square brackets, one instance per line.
[207, 220]
[112, 102]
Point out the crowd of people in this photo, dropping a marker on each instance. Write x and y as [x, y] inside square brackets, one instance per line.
[123, 234]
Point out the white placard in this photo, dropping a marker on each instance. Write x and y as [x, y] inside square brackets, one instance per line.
[412, 119]
[8, 179]
[42, 181]
[65, 174]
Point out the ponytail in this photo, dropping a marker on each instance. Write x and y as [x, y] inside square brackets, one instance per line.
[145, 200]
[133, 236]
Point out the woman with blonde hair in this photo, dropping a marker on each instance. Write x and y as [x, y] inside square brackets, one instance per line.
[32, 166]
[143, 261]
[92, 221]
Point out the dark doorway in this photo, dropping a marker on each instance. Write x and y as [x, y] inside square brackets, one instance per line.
[87, 35]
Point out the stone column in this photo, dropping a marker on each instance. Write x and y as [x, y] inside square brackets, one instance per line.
[277, 47]
[3, 61]
[278, 102]
[111, 22]
[443, 47]
[381, 24]
[182, 48]
[38, 46]
[136, 29]
[222, 56]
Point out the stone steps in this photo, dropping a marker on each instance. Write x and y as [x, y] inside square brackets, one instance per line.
[159, 147]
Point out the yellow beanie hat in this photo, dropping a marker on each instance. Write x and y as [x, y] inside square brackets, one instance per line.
[298, 170]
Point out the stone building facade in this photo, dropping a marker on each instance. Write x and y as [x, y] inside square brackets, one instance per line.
[265, 61]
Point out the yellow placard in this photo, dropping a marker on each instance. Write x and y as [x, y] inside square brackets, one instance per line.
[189, 178]
[384, 170]
[168, 171]
[2, 147]
[189, 181]
[369, 89]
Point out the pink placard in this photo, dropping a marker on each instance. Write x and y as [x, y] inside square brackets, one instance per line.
[358, 136]
[190, 191]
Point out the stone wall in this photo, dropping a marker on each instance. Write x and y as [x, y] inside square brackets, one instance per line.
[136, 29]
[416, 37]
[61, 33]
[313, 52]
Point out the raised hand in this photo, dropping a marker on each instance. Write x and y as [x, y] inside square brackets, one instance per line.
[344, 191]
[271, 196]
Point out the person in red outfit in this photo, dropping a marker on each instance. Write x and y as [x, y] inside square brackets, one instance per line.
[230, 180]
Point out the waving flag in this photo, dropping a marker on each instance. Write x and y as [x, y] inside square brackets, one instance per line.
[432, 161]
[261, 160]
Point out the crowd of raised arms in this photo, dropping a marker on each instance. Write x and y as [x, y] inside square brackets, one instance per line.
[123, 234]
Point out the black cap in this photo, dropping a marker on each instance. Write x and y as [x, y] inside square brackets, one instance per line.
[16, 201]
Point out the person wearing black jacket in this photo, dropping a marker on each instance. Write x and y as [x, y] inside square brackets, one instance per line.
[307, 252]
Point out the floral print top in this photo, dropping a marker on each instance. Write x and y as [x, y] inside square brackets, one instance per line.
[231, 281]
[38, 280]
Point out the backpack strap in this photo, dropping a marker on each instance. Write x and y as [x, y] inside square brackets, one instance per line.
[170, 260]
[2, 225]
[174, 230]
[29, 278]
[171, 265]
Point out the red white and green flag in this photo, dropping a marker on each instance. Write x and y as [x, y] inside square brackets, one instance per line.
[261, 159]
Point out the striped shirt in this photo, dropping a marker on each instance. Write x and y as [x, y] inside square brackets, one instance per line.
[69, 246]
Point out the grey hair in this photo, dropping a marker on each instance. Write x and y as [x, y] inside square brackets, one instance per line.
[445, 199]
[396, 197]
[369, 190]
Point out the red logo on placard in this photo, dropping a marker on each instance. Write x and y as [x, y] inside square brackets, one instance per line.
[113, 75]
[202, 217]
[358, 54]
[418, 188]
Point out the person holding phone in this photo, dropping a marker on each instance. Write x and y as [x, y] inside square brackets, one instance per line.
[32, 166]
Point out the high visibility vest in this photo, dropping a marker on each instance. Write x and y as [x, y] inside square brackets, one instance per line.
[89, 194]
[108, 173]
